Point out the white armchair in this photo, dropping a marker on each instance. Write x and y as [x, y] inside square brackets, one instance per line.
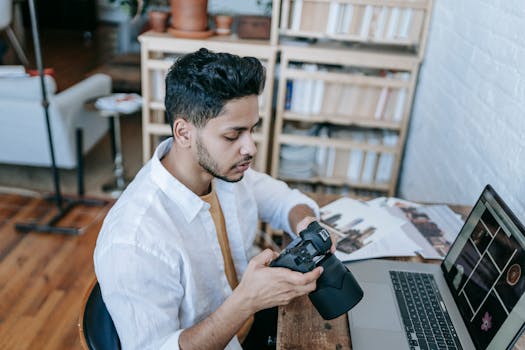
[23, 130]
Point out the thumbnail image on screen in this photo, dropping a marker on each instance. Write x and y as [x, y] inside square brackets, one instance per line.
[487, 278]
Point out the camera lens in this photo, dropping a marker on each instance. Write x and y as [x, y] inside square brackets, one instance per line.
[337, 290]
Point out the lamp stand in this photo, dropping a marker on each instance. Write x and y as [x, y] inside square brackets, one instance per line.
[64, 205]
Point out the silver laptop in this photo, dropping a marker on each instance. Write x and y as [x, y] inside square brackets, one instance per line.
[472, 300]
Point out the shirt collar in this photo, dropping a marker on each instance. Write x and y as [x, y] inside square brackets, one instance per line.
[189, 203]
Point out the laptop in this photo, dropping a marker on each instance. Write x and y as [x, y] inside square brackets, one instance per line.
[472, 300]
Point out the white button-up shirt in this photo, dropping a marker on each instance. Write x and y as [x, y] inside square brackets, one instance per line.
[158, 260]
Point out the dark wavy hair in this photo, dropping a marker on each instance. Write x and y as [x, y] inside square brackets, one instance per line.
[199, 84]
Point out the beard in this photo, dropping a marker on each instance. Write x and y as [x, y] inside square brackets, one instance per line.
[207, 162]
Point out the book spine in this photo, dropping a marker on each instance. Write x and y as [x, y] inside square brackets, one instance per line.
[333, 16]
[380, 28]
[318, 96]
[370, 159]
[381, 103]
[297, 14]
[405, 23]
[289, 94]
[346, 19]
[365, 23]
[401, 97]
[392, 23]
[285, 14]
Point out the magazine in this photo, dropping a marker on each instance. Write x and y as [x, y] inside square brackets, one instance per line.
[390, 226]
[364, 231]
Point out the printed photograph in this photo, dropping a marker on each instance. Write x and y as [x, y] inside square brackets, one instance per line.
[428, 228]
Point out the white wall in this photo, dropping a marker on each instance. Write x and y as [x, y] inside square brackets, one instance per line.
[247, 7]
[468, 120]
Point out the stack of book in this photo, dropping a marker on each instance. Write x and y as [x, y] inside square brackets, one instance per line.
[356, 21]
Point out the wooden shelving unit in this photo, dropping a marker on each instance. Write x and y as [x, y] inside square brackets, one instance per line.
[348, 70]
[347, 76]
[363, 100]
[381, 22]
[158, 52]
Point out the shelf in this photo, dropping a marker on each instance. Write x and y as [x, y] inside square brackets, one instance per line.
[332, 142]
[168, 44]
[338, 181]
[345, 78]
[343, 120]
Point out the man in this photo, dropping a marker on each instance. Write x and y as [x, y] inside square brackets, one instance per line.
[171, 258]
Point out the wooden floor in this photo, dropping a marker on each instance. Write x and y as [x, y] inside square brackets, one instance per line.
[43, 277]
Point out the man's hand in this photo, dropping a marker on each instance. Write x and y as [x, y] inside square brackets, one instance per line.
[263, 287]
[303, 224]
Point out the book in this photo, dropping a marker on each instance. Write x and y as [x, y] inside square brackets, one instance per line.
[307, 90]
[365, 22]
[330, 162]
[380, 24]
[392, 23]
[383, 97]
[285, 14]
[405, 23]
[296, 14]
[381, 103]
[386, 160]
[322, 153]
[346, 18]
[355, 164]
[401, 96]
[318, 96]
[370, 164]
[333, 17]
[288, 96]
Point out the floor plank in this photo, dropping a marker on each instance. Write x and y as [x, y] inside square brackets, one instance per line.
[43, 277]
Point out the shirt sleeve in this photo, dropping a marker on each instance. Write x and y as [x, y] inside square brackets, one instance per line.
[145, 311]
[275, 200]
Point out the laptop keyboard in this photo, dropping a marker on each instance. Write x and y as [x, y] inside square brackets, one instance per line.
[427, 324]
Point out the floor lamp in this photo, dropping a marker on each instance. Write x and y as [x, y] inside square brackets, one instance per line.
[64, 205]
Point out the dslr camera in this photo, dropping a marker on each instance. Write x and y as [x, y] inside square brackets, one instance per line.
[337, 290]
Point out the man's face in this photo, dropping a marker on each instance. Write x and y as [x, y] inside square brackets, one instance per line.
[225, 146]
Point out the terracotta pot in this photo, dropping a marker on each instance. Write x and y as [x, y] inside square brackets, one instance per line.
[223, 24]
[157, 20]
[189, 15]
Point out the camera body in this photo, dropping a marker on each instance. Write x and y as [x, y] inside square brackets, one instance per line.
[337, 290]
[303, 252]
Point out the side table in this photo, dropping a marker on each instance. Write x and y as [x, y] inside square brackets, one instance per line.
[113, 107]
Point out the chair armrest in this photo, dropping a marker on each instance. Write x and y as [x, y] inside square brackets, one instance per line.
[70, 102]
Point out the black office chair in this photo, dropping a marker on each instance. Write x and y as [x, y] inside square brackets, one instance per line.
[97, 331]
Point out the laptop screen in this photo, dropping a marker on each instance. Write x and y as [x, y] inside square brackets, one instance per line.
[485, 270]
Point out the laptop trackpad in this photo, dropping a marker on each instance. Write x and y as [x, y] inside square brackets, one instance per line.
[377, 310]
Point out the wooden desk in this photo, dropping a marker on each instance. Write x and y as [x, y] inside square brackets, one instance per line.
[300, 326]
